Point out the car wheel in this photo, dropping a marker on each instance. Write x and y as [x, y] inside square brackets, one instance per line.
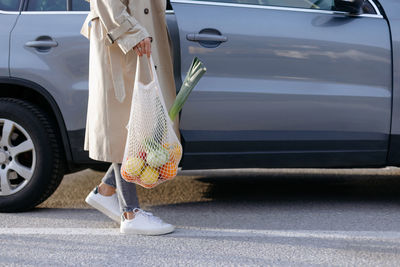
[31, 159]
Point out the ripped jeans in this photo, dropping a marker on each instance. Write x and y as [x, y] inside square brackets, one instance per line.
[126, 191]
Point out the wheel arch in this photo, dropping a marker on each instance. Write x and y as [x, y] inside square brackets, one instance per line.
[27, 90]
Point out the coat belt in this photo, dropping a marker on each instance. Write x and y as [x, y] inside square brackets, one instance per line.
[85, 30]
[117, 74]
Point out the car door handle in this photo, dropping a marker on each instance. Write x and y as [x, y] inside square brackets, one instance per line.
[201, 37]
[41, 44]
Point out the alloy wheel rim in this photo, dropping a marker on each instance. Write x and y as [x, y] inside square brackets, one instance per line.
[17, 157]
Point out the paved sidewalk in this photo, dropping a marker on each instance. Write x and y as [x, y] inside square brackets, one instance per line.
[223, 218]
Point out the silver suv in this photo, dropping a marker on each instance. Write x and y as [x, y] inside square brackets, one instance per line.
[290, 83]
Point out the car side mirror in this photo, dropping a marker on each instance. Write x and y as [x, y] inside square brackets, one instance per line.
[353, 7]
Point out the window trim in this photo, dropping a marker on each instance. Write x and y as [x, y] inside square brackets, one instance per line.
[295, 9]
[52, 12]
[69, 6]
[9, 12]
[66, 12]
[375, 6]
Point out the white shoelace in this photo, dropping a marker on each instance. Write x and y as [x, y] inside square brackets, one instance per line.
[149, 215]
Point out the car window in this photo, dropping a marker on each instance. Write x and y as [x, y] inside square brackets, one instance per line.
[368, 8]
[80, 5]
[47, 5]
[9, 5]
[309, 4]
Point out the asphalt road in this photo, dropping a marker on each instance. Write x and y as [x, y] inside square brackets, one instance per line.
[275, 217]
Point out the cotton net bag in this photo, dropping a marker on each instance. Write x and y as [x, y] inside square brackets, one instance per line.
[152, 151]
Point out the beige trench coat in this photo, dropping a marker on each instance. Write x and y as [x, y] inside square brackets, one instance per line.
[114, 27]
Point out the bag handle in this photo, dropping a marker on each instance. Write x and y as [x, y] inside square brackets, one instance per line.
[151, 65]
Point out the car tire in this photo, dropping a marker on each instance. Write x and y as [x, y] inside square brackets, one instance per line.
[32, 162]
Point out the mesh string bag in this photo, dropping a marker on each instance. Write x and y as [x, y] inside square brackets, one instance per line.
[152, 151]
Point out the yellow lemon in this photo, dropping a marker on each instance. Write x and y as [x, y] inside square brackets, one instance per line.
[134, 166]
[149, 175]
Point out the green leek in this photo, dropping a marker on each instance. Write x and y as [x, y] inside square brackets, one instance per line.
[196, 71]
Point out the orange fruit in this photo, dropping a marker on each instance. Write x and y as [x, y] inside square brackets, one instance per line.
[175, 151]
[166, 145]
[148, 186]
[169, 170]
[127, 177]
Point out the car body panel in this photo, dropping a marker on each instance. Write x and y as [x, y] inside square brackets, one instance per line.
[293, 85]
[63, 70]
[392, 11]
[7, 21]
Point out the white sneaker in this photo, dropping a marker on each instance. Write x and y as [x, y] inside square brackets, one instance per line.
[108, 205]
[145, 223]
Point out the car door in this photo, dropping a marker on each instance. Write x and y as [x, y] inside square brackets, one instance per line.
[48, 49]
[9, 11]
[289, 83]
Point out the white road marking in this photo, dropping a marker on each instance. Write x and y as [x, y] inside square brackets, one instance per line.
[353, 235]
[59, 231]
[212, 232]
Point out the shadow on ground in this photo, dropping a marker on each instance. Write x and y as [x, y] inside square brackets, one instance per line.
[292, 187]
[364, 200]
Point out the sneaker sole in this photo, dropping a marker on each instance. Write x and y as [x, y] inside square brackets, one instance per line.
[102, 209]
[147, 232]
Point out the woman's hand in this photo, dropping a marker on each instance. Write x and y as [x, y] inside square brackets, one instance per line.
[144, 47]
